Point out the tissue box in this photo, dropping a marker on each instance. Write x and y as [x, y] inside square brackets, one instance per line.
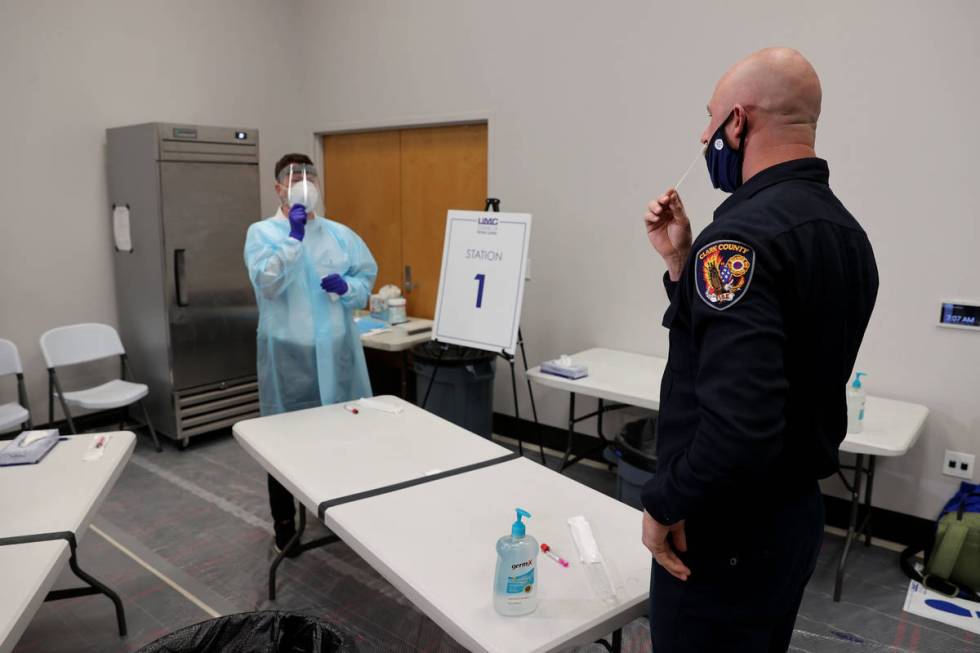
[17, 453]
[573, 371]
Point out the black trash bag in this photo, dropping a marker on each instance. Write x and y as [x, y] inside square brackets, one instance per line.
[256, 632]
[637, 444]
[449, 355]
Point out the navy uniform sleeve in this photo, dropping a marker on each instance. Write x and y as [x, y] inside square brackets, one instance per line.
[739, 379]
[670, 286]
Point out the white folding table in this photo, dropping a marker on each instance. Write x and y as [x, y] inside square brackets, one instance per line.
[45, 512]
[424, 502]
[397, 339]
[890, 429]
[28, 571]
[621, 377]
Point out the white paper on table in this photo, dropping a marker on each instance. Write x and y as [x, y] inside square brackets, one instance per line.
[120, 228]
[944, 609]
[377, 404]
[588, 550]
[593, 563]
[96, 447]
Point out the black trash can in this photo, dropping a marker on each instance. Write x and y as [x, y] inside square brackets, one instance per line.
[463, 389]
[636, 458]
[256, 632]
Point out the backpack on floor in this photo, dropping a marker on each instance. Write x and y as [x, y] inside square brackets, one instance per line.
[953, 554]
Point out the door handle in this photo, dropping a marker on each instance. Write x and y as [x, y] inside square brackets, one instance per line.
[180, 278]
[407, 284]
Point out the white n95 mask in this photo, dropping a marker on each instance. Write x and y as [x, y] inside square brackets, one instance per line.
[304, 192]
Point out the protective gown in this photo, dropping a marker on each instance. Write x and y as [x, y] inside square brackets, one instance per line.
[309, 351]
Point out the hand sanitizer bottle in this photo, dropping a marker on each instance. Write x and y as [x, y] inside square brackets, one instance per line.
[855, 405]
[515, 590]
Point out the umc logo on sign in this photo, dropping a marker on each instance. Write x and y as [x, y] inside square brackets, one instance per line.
[486, 225]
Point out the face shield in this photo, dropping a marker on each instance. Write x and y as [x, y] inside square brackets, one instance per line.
[300, 185]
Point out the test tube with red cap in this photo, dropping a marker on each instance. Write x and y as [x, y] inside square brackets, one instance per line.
[551, 554]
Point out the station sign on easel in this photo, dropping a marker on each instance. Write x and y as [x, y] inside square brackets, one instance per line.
[481, 288]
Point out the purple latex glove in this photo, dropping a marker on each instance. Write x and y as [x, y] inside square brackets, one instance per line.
[297, 221]
[334, 283]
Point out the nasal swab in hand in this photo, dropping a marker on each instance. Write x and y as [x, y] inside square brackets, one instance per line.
[704, 148]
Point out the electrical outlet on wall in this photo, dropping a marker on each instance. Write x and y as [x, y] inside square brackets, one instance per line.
[959, 464]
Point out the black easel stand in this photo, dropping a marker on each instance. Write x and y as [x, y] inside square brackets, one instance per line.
[493, 204]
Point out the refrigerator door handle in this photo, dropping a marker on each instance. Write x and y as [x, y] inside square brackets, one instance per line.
[180, 277]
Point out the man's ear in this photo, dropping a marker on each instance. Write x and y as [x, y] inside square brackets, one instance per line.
[738, 125]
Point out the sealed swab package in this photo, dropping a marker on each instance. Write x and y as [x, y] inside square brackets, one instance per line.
[592, 561]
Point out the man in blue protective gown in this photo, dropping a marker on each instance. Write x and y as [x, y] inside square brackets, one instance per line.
[768, 307]
[309, 275]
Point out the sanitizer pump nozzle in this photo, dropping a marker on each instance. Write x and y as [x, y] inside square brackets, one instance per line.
[517, 529]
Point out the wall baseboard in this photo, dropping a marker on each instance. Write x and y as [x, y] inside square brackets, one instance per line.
[552, 437]
[886, 524]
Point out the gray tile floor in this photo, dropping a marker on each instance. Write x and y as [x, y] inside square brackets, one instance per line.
[197, 522]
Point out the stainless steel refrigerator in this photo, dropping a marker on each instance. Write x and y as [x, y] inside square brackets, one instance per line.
[182, 198]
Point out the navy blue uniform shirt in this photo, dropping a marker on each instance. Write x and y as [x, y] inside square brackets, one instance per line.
[765, 325]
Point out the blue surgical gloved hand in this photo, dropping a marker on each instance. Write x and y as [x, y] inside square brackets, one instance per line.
[297, 221]
[334, 283]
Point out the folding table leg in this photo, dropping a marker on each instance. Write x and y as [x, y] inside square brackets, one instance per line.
[293, 542]
[571, 432]
[91, 580]
[404, 376]
[295, 545]
[617, 642]
[867, 500]
[94, 587]
[851, 526]
[602, 437]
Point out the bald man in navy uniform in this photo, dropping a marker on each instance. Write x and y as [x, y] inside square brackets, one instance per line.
[768, 307]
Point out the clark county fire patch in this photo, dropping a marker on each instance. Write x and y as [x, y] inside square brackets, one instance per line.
[722, 272]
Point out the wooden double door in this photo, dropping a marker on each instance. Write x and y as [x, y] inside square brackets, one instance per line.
[394, 187]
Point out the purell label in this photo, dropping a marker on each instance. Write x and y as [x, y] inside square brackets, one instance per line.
[521, 584]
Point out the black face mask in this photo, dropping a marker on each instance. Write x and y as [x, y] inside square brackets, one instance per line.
[725, 162]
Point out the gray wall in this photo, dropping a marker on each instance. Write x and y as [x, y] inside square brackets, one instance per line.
[595, 107]
[69, 70]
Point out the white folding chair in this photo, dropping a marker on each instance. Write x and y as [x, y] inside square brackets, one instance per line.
[17, 413]
[83, 343]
